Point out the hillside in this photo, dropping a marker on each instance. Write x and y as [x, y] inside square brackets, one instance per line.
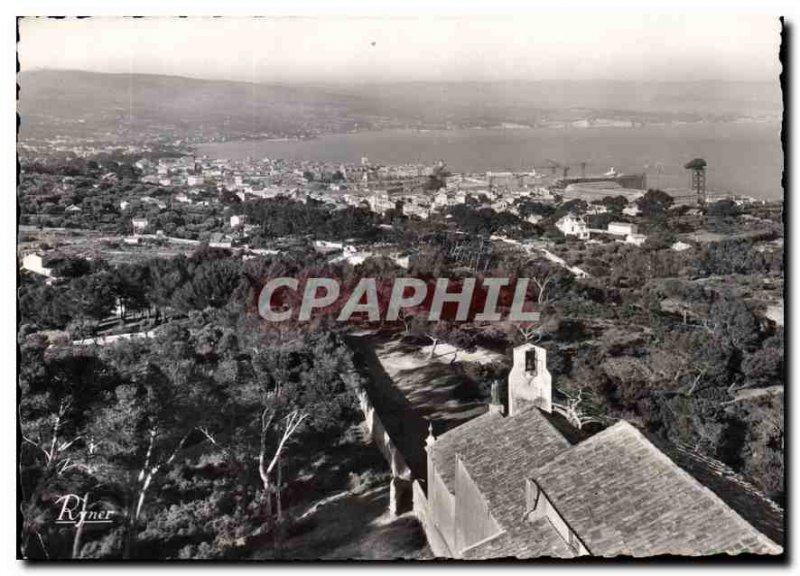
[83, 103]
[76, 103]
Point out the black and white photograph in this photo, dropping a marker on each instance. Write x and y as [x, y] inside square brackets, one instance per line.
[448, 286]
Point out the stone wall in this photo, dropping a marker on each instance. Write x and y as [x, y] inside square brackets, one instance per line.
[400, 491]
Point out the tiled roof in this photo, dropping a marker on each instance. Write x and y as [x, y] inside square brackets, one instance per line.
[620, 492]
[499, 452]
[457, 440]
[535, 539]
[744, 498]
[503, 460]
[622, 495]
[524, 440]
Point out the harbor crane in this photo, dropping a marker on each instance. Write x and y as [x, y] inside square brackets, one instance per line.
[698, 169]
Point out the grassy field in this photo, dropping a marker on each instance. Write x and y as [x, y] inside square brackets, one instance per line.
[94, 245]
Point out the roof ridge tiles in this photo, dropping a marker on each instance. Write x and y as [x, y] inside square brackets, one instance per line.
[623, 428]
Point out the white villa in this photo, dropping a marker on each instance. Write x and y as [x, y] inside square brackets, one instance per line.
[571, 225]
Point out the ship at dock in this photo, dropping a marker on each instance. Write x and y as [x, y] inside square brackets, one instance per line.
[615, 179]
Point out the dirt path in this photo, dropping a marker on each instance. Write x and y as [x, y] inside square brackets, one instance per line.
[358, 526]
[405, 424]
[434, 387]
[409, 390]
[338, 509]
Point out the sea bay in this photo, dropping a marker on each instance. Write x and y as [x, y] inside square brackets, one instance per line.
[743, 157]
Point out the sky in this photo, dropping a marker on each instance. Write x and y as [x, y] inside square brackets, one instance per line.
[536, 46]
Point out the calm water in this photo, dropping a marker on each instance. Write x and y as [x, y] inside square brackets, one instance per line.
[742, 158]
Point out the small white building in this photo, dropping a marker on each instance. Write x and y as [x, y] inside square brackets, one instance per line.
[219, 240]
[154, 201]
[622, 228]
[327, 247]
[139, 225]
[351, 255]
[238, 220]
[380, 202]
[636, 239]
[143, 164]
[35, 263]
[571, 225]
[416, 210]
[501, 205]
[195, 180]
[632, 210]
[402, 261]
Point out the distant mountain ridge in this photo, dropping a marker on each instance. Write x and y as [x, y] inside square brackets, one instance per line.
[106, 100]
[63, 100]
